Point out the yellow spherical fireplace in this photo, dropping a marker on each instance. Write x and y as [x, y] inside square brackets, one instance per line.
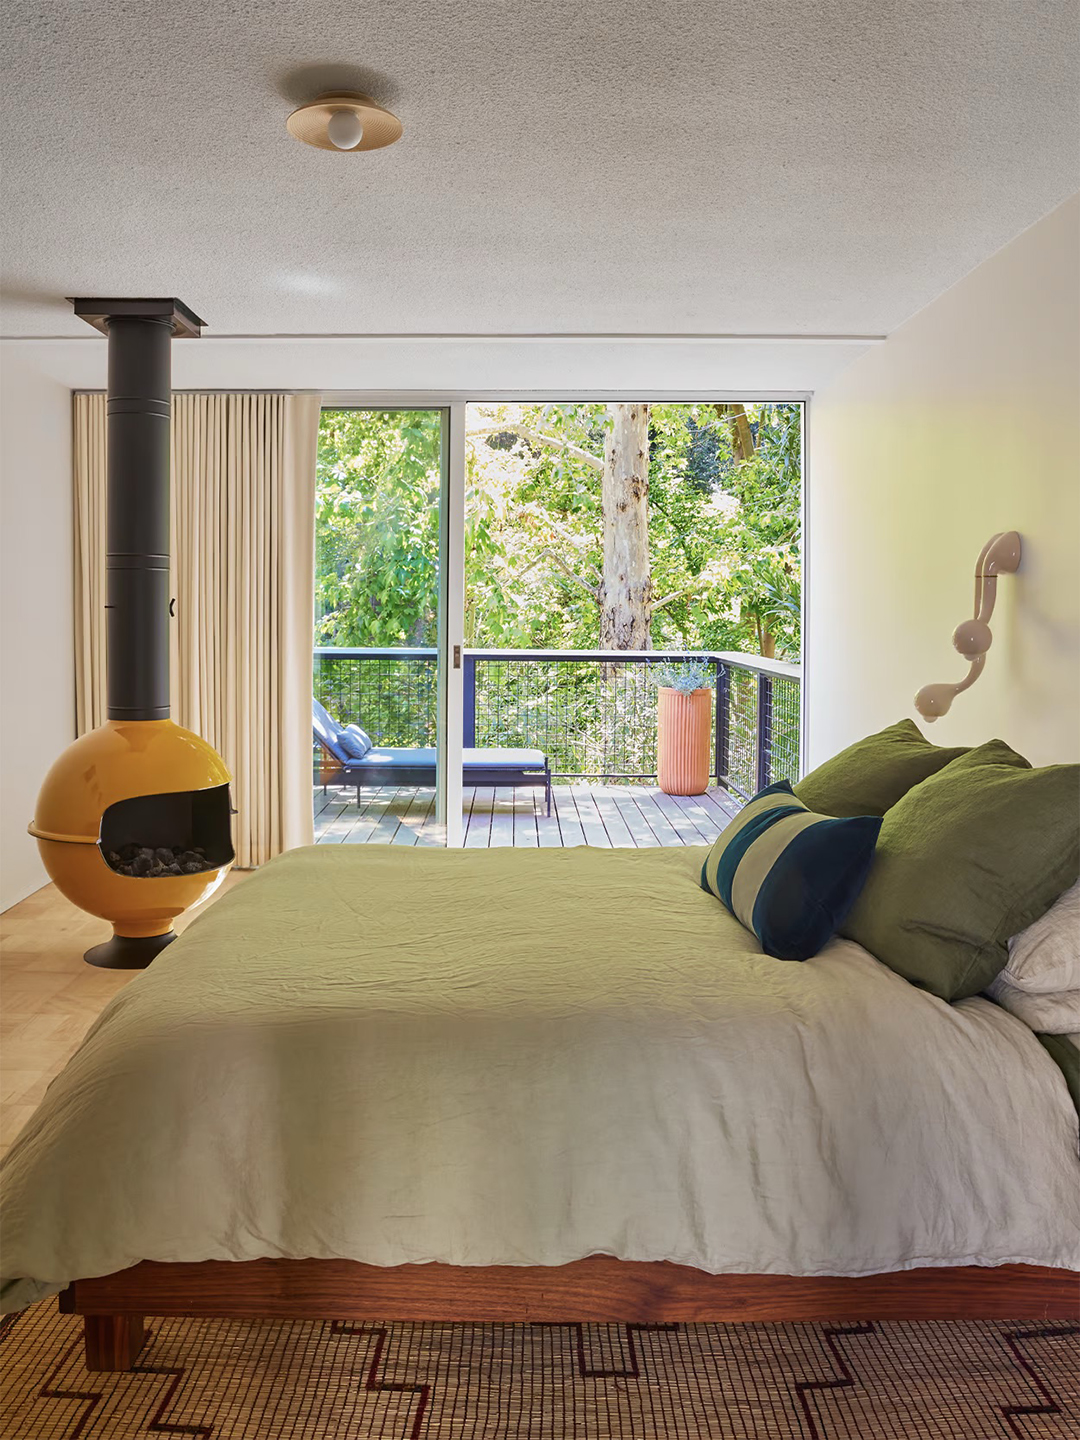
[133, 821]
[142, 785]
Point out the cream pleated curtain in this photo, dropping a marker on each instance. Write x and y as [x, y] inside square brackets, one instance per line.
[243, 542]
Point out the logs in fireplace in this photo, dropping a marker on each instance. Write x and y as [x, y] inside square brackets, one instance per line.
[143, 860]
[133, 821]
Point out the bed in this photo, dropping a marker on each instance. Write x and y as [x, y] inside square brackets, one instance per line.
[555, 1085]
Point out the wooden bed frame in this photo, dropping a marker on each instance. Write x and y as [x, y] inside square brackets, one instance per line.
[599, 1288]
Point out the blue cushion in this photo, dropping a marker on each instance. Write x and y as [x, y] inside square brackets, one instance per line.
[492, 757]
[789, 875]
[422, 756]
[326, 732]
[355, 742]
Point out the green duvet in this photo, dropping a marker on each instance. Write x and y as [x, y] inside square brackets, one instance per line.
[525, 1057]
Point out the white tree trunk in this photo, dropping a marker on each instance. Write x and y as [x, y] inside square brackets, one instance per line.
[626, 590]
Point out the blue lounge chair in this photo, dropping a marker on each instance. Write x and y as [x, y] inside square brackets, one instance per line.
[371, 764]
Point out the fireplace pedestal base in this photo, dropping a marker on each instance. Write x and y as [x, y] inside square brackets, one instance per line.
[128, 952]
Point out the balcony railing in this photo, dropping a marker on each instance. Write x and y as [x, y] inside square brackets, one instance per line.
[592, 712]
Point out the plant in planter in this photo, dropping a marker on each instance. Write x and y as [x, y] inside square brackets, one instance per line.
[684, 725]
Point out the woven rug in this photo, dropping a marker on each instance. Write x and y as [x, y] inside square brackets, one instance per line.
[328, 1380]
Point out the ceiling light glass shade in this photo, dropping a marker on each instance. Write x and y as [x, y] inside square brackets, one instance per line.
[344, 121]
[345, 130]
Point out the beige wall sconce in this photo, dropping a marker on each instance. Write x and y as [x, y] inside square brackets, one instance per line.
[999, 556]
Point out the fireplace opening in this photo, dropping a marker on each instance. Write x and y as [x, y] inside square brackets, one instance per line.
[182, 832]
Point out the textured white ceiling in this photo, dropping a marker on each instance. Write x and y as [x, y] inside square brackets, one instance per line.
[567, 165]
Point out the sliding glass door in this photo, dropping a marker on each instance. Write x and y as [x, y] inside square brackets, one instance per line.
[618, 551]
[380, 688]
[504, 588]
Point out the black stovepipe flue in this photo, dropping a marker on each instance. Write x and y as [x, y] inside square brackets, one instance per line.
[138, 408]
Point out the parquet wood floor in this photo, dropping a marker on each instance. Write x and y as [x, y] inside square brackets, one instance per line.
[49, 996]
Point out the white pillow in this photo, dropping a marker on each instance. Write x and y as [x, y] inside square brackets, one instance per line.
[1045, 957]
[1057, 1014]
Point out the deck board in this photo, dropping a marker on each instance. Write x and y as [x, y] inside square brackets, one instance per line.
[564, 808]
[582, 813]
[414, 815]
[619, 833]
[525, 834]
[682, 823]
[592, 825]
[477, 811]
[633, 817]
[502, 818]
[370, 811]
[658, 823]
[549, 828]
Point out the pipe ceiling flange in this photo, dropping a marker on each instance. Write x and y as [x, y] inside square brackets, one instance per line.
[183, 322]
[311, 123]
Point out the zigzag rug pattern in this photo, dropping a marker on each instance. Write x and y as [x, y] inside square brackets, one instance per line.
[294, 1380]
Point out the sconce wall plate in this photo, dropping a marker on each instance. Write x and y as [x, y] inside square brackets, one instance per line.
[973, 638]
[311, 122]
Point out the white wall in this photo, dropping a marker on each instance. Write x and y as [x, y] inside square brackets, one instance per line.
[37, 678]
[965, 422]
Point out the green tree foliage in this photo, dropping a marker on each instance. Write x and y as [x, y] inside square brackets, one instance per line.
[763, 536]
[723, 531]
[377, 527]
[723, 526]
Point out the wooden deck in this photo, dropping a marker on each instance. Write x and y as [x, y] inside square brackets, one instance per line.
[581, 814]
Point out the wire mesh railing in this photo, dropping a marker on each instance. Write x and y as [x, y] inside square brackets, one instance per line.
[592, 712]
[392, 693]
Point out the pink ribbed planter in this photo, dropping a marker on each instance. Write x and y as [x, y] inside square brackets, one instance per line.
[684, 741]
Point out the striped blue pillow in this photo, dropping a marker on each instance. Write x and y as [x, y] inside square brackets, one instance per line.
[789, 875]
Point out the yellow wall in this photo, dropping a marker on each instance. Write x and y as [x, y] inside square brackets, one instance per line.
[965, 422]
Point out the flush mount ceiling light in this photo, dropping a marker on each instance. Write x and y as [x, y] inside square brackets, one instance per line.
[344, 120]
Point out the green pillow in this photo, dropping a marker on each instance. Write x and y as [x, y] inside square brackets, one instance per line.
[870, 776]
[967, 858]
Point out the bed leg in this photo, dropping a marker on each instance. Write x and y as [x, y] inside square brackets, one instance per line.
[112, 1342]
